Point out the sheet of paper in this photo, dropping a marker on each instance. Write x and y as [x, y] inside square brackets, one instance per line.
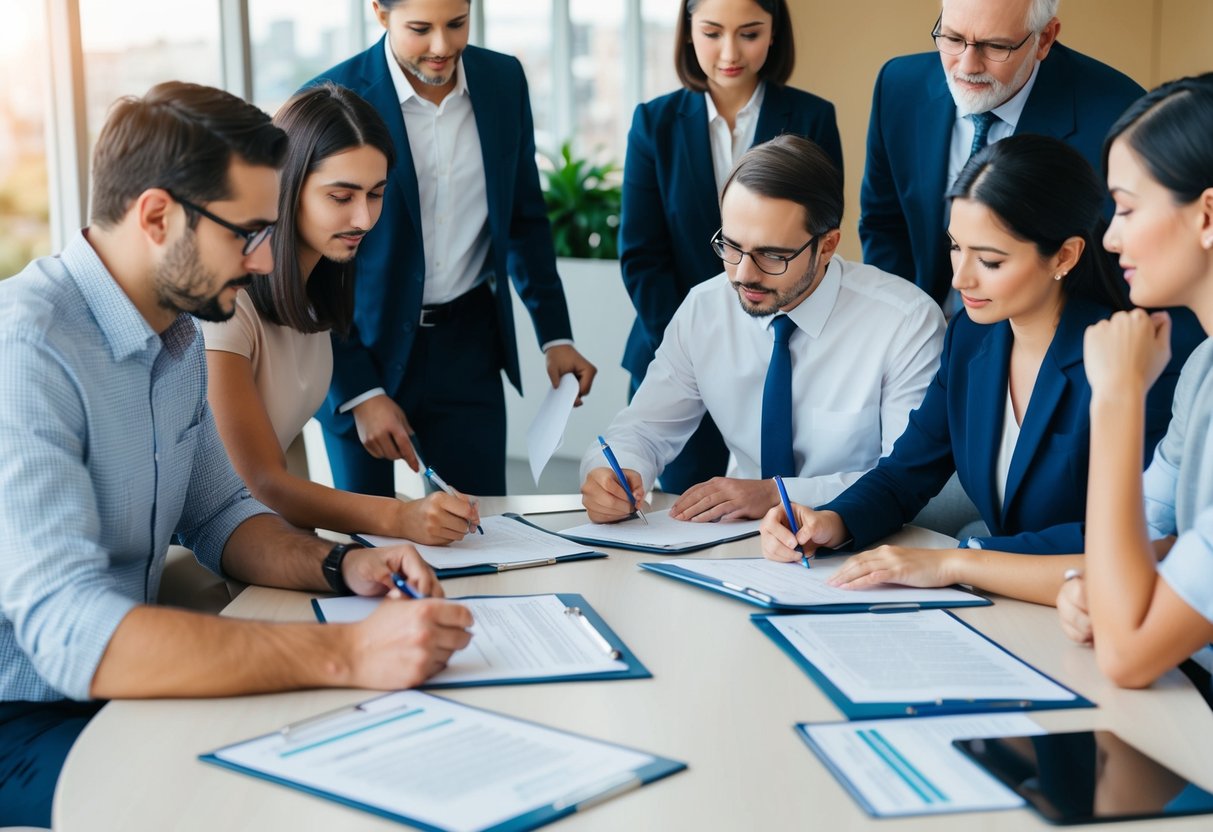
[912, 657]
[513, 637]
[662, 531]
[505, 540]
[546, 432]
[909, 766]
[791, 583]
[440, 762]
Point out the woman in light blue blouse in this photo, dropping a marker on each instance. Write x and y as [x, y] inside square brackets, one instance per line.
[1145, 617]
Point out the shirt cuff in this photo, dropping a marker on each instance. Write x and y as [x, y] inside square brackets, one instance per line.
[357, 400]
[559, 342]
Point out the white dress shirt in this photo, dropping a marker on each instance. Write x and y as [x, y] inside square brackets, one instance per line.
[866, 346]
[729, 145]
[1006, 449]
[1008, 119]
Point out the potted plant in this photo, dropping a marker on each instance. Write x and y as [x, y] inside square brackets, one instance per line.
[583, 201]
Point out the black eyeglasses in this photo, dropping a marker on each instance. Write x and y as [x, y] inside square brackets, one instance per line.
[252, 239]
[952, 45]
[766, 261]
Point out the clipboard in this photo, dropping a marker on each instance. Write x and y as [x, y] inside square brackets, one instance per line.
[938, 707]
[590, 540]
[490, 567]
[767, 602]
[656, 768]
[600, 630]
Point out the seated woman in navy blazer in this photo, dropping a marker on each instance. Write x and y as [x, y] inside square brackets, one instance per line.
[1009, 408]
[733, 57]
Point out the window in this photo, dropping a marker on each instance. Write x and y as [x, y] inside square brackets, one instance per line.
[24, 189]
[659, 18]
[293, 41]
[523, 28]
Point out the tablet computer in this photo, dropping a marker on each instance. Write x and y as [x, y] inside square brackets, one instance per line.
[1087, 777]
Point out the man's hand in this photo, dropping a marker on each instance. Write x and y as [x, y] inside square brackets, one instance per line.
[369, 571]
[1072, 610]
[725, 498]
[402, 643]
[562, 359]
[384, 430]
[604, 498]
[817, 529]
[896, 565]
[438, 519]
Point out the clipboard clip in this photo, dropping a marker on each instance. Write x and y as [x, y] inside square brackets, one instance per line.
[745, 590]
[942, 707]
[291, 731]
[595, 793]
[908, 606]
[592, 632]
[525, 564]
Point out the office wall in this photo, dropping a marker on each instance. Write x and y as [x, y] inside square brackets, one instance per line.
[841, 46]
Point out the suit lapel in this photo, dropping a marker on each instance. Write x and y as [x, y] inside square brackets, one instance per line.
[380, 92]
[492, 125]
[987, 395]
[1050, 108]
[773, 115]
[930, 153]
[696, 148]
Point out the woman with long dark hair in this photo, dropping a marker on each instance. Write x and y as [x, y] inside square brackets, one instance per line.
[1008, 410]
[271, 364]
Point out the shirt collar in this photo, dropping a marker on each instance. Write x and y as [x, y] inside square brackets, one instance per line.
[812, 313]
[125, 330]
[405, 91]
[1011, 109]
[751, 107]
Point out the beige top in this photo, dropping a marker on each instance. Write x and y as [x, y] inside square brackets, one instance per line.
[291, 369]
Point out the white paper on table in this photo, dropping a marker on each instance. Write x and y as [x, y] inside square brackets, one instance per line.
[546, 432]
[663, 531]
[791, 583]
[513, 637]
[910, 767]
[505, 540]
[912, 657]
[439, 762]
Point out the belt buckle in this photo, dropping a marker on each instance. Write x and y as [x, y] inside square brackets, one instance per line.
[424, 320]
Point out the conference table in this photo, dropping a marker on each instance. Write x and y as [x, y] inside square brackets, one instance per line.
[723, 699]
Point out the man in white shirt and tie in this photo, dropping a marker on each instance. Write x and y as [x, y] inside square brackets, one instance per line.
[810, 365]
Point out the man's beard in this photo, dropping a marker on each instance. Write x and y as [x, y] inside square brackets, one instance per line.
[968, 102]
[781, 299]
[181, 282]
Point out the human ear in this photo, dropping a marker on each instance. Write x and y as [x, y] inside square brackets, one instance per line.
[152, 208]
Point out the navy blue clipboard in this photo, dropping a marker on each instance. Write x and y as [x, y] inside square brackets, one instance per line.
[652, 550]
[489, 568]
[659, 768]
[635, 668]
[758, 599]
[939, 707]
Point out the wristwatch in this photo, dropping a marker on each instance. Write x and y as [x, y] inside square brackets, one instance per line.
[332, 567]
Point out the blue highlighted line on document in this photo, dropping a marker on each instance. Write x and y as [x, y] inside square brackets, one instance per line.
[912, 777]
[367, 727]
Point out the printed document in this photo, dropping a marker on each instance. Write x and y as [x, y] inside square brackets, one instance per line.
[909, 766]
[546, 432]
[663, 531]
[920, 656]
[513, 637]
[505, 540]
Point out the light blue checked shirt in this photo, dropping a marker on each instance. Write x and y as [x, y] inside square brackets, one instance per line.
[107, 447]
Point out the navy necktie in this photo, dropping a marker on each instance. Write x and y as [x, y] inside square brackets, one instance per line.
[777, 404]
[981, 130]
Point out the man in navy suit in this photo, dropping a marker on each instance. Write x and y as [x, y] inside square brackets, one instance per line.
[433, 326]
[998, 70]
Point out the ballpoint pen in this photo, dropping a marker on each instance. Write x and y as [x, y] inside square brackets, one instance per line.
[403, 586]
[432, 475]
[623, 481]
[787, 509]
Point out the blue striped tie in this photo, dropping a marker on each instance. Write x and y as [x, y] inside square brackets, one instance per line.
[777, 404]
[981, 130]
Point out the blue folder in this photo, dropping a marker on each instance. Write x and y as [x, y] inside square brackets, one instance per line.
[938, 707]
[635, 669]
[758, 599]
[635, 547]
[658, 769]
[489, 568]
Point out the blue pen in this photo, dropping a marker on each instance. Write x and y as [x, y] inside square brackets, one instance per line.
[787, 509]
[432, 475]
[403, 586]
[610, 457]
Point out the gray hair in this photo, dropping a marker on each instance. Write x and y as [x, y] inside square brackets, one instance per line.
[1040, 12]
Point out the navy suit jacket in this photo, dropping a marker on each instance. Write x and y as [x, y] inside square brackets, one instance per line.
[670, 207]
[391, 260]
[958, 427]
[902, 221]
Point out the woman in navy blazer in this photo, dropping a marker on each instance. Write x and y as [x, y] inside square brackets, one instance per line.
[725, 51]
[1009, 407]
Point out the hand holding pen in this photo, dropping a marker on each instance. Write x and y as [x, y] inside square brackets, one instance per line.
[474, 521]
[787, 509]
[604, 491]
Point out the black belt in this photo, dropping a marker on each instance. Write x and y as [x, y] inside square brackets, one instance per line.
[441, 313]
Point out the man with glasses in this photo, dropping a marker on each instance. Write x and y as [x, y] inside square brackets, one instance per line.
[996, 70]
[809, 364]
[108, 450]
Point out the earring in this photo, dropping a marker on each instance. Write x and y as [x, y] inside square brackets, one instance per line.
[1058, 276]
[1207, 242]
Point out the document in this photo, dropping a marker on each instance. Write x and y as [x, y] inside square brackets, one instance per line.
[426, 760]
[925, 656]
[662, 532]
[546, 432]
[790, 584]
[514, 638]
[909, 766]
[505, 541]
